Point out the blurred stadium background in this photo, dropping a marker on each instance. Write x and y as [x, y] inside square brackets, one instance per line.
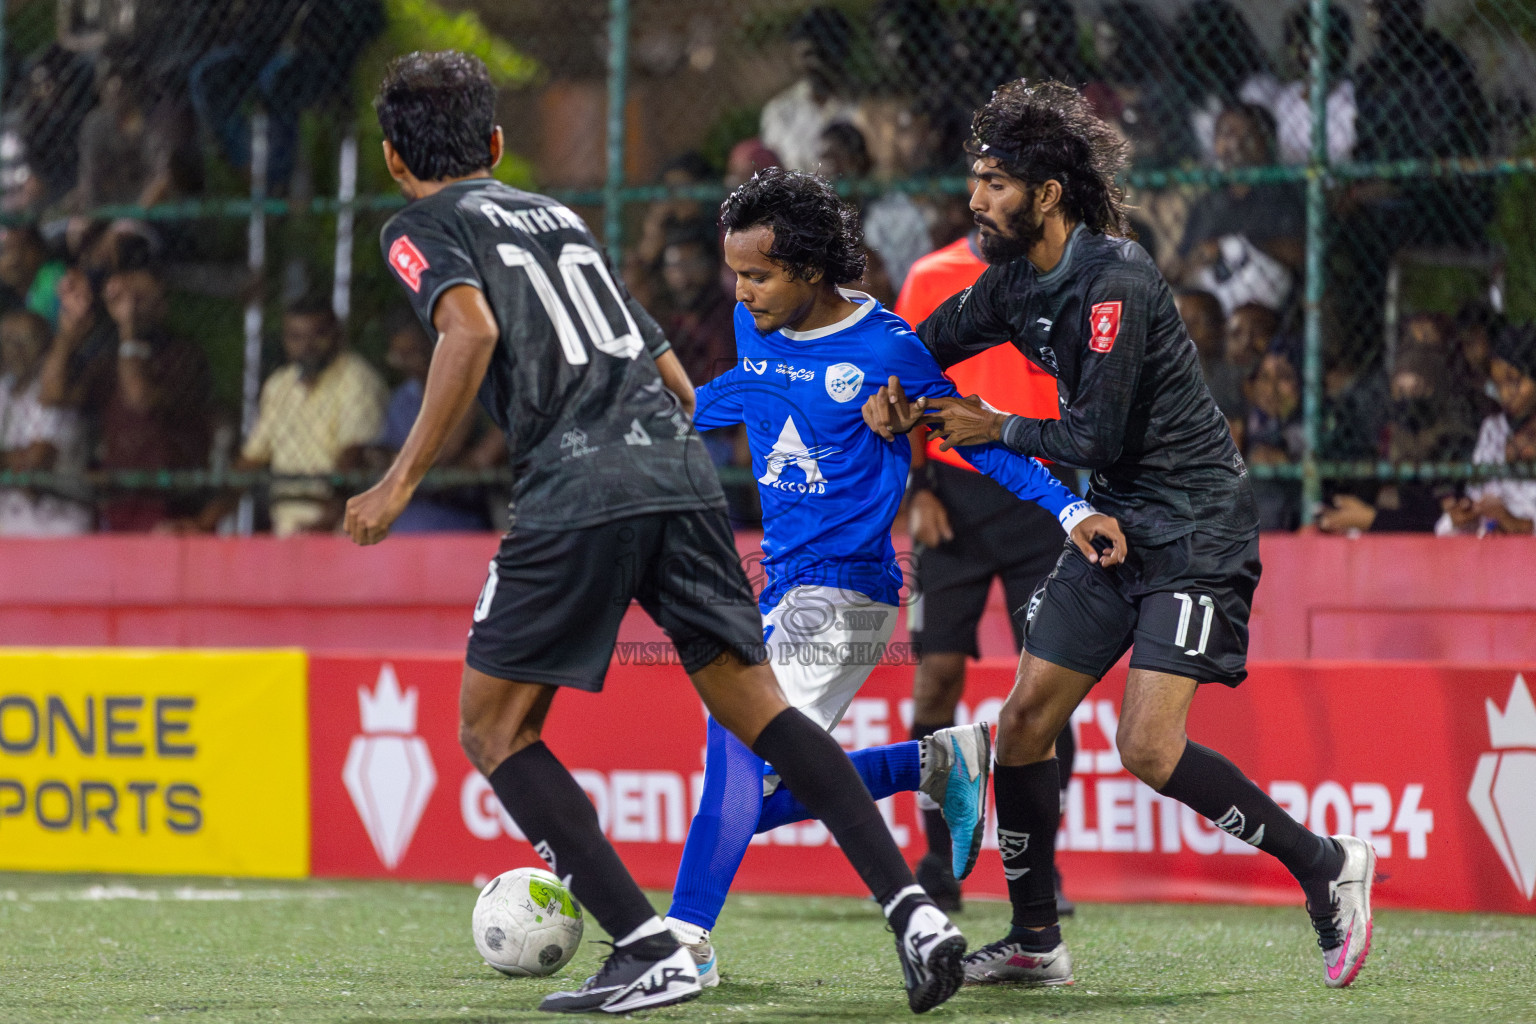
[1343, 192]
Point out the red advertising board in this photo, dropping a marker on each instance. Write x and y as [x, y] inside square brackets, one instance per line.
[1435, 764]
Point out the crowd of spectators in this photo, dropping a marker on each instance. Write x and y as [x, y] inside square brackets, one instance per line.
[131, 118]
[1200, 90]
[92, 377]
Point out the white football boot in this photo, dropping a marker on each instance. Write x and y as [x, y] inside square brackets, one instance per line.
[1344, 927]
[696, 941]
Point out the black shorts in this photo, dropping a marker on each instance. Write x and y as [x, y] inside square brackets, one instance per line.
[1180, 607]
[552, 604]
[996, 535]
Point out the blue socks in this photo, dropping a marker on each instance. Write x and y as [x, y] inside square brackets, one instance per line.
[885, 770]
[732, 809]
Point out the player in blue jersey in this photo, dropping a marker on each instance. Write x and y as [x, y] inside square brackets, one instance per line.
[809, 354]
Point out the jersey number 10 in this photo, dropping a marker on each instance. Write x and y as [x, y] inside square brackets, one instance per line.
[601, 329]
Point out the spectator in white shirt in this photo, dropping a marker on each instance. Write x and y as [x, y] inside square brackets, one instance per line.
[793, 120]
[894, 226]
[1503, 506]
[1292, 107]
[35, 437]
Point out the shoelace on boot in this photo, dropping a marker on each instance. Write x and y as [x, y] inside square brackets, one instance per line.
[1326, 926]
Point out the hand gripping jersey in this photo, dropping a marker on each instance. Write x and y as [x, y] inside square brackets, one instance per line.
[592, 432]
[830, 486]
[1134, 407]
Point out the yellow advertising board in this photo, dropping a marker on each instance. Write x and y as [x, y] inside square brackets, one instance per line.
[164, 762]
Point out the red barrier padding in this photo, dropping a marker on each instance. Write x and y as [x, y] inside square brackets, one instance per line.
[1403, 597]
[1435, 764]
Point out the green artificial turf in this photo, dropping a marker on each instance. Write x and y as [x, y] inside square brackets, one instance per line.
[89, 948]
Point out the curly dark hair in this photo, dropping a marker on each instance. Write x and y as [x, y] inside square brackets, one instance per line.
[1048, 131]
[439, 112]
[814, 230]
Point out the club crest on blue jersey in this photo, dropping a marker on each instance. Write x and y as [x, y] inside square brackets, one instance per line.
[844, 381]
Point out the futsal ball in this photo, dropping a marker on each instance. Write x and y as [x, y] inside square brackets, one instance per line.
[526, 923]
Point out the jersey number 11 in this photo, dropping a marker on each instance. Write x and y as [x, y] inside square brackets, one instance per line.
[574, 262]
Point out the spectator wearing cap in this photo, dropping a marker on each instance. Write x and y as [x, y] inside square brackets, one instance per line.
[317, 415]
[746, 158]
[29, 279]
[35, 437]
[1509, 435]
[792, 121]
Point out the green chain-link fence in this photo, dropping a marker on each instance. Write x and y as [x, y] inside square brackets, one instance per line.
[1343, 193]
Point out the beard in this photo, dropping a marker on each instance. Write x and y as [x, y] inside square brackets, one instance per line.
[1013, 241]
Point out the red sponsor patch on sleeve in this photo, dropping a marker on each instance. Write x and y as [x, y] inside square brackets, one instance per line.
[409, 262]
[1103, 326]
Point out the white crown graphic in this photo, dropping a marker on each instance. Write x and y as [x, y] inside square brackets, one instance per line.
[389, 772]
[1503, 790]
[1515, 726]
[386, 709]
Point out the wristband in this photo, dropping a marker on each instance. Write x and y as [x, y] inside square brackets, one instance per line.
[134, 350]
[1075, 513]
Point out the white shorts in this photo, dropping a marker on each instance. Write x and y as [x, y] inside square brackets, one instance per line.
[823, 642]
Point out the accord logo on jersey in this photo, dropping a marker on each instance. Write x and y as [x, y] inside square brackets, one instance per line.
[844, 381]
[1104, 321]
[790, 450]
[408, 261]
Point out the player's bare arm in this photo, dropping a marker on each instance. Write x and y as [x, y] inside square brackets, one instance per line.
[467, 335]
[675, 378]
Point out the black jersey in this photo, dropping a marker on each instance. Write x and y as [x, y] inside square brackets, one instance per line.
[1134, 406]
[592, 432]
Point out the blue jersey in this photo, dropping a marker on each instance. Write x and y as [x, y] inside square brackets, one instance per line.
[830, 486]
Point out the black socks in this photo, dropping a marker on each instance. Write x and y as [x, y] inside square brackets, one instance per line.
[1215, 787]
[822, 778]
[561, 823]
[1028, 812]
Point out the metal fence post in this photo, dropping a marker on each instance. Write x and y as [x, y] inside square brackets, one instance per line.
[618, 81]
[256, 264]
[346, 216]
[1317, 211]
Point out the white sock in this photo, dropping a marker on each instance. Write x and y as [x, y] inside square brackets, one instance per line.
[645, 931]
[911, 890]
[687, 932]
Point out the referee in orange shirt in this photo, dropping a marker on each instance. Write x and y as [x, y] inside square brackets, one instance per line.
[966, 530]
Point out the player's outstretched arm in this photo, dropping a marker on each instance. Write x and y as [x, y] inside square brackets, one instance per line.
[978, 318]
[467, 336]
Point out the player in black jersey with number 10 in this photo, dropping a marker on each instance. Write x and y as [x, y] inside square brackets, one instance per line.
[614, 499]
[1088, 306]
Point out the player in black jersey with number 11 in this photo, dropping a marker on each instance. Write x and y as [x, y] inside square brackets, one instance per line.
[1088, 306]
[614, 498]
